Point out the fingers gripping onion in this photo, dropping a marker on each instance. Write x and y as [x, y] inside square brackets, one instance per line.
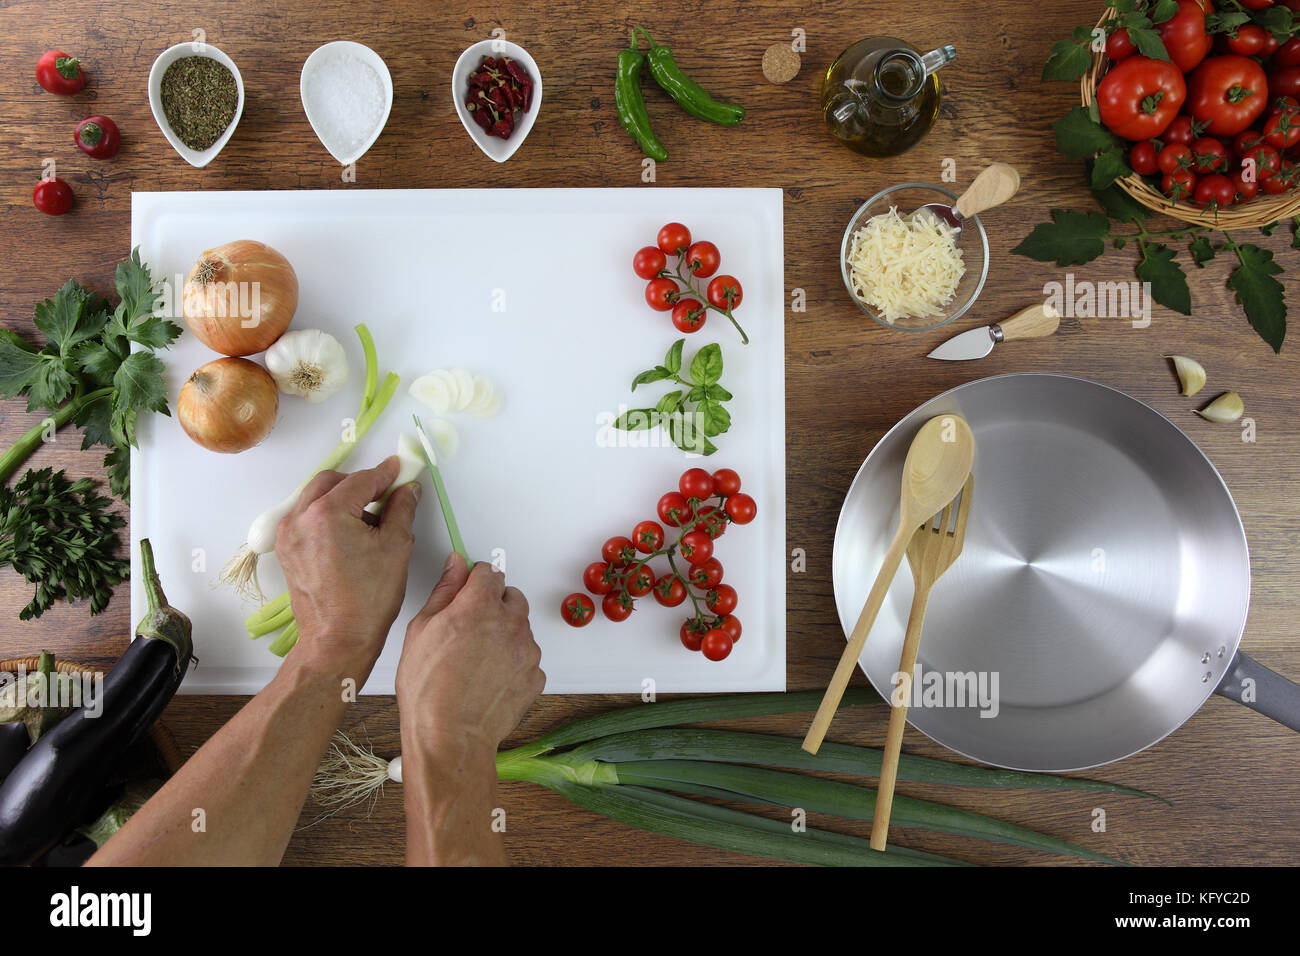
[228, 405]
[240, 297]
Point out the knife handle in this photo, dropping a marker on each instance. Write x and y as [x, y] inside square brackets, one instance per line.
[1034, 322]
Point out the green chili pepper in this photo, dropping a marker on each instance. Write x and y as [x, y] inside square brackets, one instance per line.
[631, 105]
[689, 95]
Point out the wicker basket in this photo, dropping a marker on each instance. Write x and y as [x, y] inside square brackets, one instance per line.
[161, 738]
[1259, 211]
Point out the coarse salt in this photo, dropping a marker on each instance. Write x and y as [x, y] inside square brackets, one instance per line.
[346, 100]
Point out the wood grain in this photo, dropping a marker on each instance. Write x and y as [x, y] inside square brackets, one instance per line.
[1230, 773]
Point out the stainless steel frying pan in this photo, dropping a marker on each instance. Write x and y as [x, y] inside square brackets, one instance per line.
[1105, 580]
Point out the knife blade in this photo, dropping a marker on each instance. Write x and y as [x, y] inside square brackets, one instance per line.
[431, 459]
[1034, 322]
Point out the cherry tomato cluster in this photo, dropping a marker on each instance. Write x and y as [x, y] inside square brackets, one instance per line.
[1217, 123]
[699, 510]
[664, 291]
[96, 136]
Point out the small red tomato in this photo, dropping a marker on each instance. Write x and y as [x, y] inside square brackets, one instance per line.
[660, 294]
[639, 581]
[1244, 141]
[598, 577]
[692, 632]
[1243, 189]
[721, 600]
[1119, 45]
[1175, 156]
[1209, 155]
[724, 292]
[696, 483]
[732, 626]
[689, 315]
[1288, 54]
[1180, 184]
[713, 521]
[1285, 82]
[1279, 103]
[618, 551]
[726, 481]
[648, 262]
[707, 575]
[1251, 40]
[1214, 190]
[697, 547]
[673, 510]
[716, 644]
[1142, 157]
[1261, 161]
[1181, 130]
[741, 508]
[52, 196]
[98, 137]
[1283, 181]
[1282, 129]
[577, 609]
[703, 259]
[616, 606]
[674, 239]
[669, 590]
[59, 73]
[648, 537]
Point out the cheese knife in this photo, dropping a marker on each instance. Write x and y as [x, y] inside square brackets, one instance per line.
[1034, 322]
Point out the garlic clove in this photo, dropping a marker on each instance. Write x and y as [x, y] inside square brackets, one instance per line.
[1228, 407]
[1191, 374]
[464, 387]
[431, 390]
[444, 436]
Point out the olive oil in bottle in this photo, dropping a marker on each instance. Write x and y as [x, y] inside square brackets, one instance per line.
[880, 96]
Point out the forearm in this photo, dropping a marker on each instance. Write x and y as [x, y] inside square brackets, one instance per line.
[450, 797]
[236, 801]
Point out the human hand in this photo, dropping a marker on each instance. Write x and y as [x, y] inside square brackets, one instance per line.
[347, 576]
[469, 667]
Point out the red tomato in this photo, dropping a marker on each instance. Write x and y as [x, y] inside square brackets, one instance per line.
[674, 239]
[1270, 44]
[52, 196]
[669, 590]
[1243, 189]
[617, 606]
[648, 537]
[703, 259]
[648, 262]
[618, 551]
[732, 626]
[696, 483]
[1251, 40]
[1175, 156]
[1181, 130]
[1214, 190]
[598, 577]
[1255, 4]
[716, 644]
[721, 600]
[741, 508]
[1244, 141]
[1180, 184]
[1285, 82]
[1210, 156]
[692, 632]
[1227, 93]
[577, 609]
[725, 293]
[640, 581]
[707, 575]
[697, 547]
[1120, 45]
[660, 294]
[1184, 36]
[1142, 157]
[1288, 54]
[1283, 181]
[98, 137]
[713, 521]
[1261, 162]
[1280, 103]
[1139, 97]
[1282, 130]
[674, 511]
[726, 481]
[60, 73]
[689, 315]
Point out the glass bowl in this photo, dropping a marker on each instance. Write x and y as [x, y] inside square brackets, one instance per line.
[973, 243]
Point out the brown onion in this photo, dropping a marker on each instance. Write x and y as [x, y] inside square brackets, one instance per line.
[228, 405]
[240, 297]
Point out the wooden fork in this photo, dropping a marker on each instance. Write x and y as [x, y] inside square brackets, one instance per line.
[930, 553]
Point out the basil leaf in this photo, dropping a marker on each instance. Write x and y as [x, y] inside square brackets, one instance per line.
[706, 367]
[656, 374]
[718, 392]
[636, 419]
[716, 419]
[669, 402]
[673, 360]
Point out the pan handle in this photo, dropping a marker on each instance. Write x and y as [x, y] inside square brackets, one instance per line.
[1274, 695]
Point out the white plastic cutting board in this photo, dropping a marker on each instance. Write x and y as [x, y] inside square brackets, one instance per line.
[542, 482]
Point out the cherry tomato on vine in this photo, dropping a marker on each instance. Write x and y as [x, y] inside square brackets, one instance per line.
[689, 315]
[1282, 129]
[616, 606]
[707, 575]
[1181, 130]
[1283, 181]
[1251, 40]
[721, 600]
[697, 547]
[1264, 159]
[1288, 54]
[1245, 141]
[726, 481]
[648, 536]
[1285, 82]
[691, 633]
[741, 508]
[732, 626]
[648, 262]
[577, 609]
[669, 590]
[52, 196]
[674, 239]
[1242, 188]
[1214, 190]
[1175, 156]
[618, 551]
[1279, 103]
[703, 259]
[1209, 155]
[1180, 184]
[59, 73]
[598, 577]
[696, 483]
[724, 292]
[661, 294]
[640, 581]
[1119, 45]
[1142, 157]
[98, 137]
[673, 510]
[713, 521]
[716, 644]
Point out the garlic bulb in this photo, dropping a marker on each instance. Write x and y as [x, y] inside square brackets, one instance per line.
[308, 362]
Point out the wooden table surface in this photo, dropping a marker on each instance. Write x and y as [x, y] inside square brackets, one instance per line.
[1230, 774]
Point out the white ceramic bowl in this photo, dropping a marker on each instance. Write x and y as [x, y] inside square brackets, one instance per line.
[494, 146]
[340, 152]
[194, 157]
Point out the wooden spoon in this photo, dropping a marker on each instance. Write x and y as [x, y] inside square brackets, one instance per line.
[937, 465]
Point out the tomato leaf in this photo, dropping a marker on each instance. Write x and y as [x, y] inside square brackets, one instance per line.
[1295, 233]
[1202, 251]
[1262, 296]
[1269, 229]
[1111, 164]
[1148, 42]
[1168, 281]
[1071, 58]
[1120, 205]
[1226, 22]
[1071, 238]
[1078, 136]
[1164, 10]
[1277, 20]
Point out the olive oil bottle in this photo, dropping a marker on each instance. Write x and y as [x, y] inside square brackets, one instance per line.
[880, 96]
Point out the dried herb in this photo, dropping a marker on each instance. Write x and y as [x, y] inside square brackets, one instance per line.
[199, 98]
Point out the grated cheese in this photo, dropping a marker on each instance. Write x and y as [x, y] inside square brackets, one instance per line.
[905, 267]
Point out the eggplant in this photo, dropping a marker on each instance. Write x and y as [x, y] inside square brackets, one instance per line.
[57, 783]
[14, 741]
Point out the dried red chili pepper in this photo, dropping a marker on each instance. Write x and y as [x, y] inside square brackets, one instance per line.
[498, 88]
